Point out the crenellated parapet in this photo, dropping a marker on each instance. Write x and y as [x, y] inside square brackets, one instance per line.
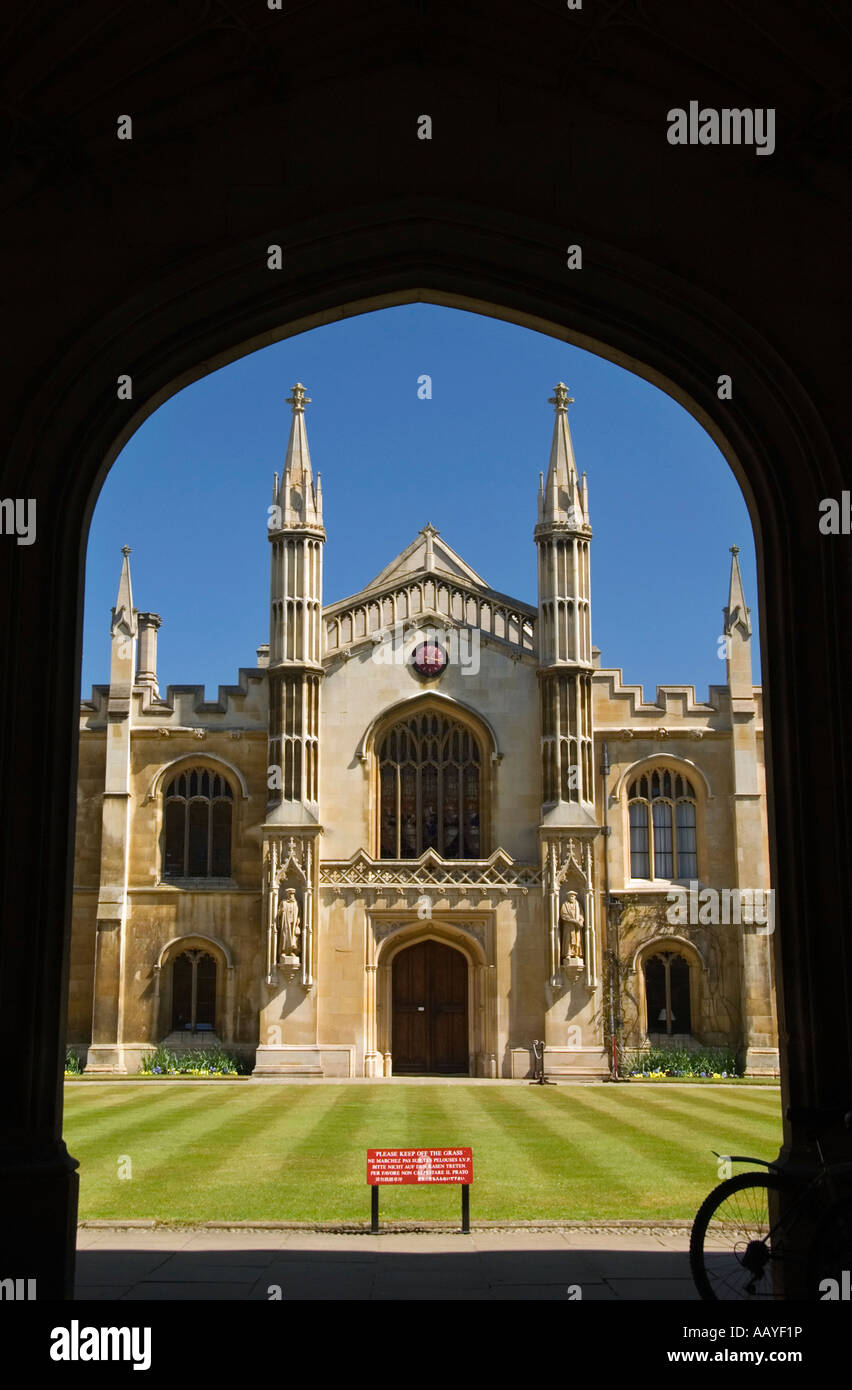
[621, 709]
[186, 707]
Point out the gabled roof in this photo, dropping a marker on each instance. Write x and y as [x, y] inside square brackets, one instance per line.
[428, 552]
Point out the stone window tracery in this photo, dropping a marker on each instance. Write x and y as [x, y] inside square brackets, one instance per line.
[430, 783]
[198, 813]
[662, 812]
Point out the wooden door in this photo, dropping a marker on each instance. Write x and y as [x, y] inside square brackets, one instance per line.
[430, 1010]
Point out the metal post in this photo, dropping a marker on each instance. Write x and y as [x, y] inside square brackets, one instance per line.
[538, 1053]
[374, 1210]
[465, 1209]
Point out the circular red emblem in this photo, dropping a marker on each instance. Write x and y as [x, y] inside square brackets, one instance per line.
[429, 659]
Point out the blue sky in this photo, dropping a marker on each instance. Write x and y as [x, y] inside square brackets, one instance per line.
[189, 492]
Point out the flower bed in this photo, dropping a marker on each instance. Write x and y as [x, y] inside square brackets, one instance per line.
[195, 1061]
[656, 1063]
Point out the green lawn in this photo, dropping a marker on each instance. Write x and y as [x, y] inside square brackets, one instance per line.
[298, 1152]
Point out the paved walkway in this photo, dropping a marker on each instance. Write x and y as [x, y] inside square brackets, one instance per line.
[503, 1264]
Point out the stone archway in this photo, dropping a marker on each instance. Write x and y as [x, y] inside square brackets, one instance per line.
[472, 987]
[219, 1004]
[675, 989]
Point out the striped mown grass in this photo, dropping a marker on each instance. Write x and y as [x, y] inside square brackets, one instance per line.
[298, 1152]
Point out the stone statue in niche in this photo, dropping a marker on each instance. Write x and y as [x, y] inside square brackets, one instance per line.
[288, 929]
[571, 923]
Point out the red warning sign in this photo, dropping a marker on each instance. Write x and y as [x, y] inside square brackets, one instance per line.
[419, 1165]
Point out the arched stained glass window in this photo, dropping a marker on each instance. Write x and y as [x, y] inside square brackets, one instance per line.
[197, 842]
[661, 807]
[430, 782]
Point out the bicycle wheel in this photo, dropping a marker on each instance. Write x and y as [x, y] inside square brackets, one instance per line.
[734, 1251]
[831, 1252]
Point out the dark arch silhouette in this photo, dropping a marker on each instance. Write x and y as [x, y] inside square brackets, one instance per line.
[148, 260]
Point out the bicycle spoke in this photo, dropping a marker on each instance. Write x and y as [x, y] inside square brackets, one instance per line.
[738, 1256]
[735, 1251]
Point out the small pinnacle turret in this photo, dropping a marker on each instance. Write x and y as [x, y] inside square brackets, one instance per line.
[561, 497]
[736, 613]
[737, 630]
[429, 533]
[297, 498]
[123, 632]
[124, 614]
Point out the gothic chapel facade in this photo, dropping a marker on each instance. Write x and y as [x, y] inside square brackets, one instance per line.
[413, 838]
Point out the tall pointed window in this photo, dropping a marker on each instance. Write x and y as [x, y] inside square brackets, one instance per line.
[430, 781]
[194, 992]
[667, 993]
[197, 844]
[661, 806]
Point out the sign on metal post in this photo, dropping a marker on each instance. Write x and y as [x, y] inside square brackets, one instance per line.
[386, 1167]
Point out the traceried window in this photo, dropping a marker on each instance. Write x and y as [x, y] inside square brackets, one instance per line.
[661, 805]
[197, 844]
[430, 780]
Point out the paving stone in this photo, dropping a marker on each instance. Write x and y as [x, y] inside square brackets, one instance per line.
[654, 1290]
[180, 1292]
[310, 1265]
[97, 1293]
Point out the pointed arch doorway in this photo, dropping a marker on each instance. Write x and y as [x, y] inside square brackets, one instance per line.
[430, 1010]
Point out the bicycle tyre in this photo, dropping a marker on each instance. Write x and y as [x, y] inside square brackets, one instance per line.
[730, 1227]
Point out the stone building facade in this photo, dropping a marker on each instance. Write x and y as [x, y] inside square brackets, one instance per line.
[426, 830]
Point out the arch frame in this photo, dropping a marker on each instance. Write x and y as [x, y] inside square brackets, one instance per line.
[619, 797]
[225, 982]
[698, 976]
[444, 704]
[187, 761]
[388, 934]
[657, 943]
[210, 762]
[672, 761]
[167, 325]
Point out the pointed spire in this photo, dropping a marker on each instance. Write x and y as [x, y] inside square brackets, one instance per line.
[737, 628]
[299, 498]
[736, 613]
[123, 630]
[297, 466]
[124, 614]
[561, 498]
